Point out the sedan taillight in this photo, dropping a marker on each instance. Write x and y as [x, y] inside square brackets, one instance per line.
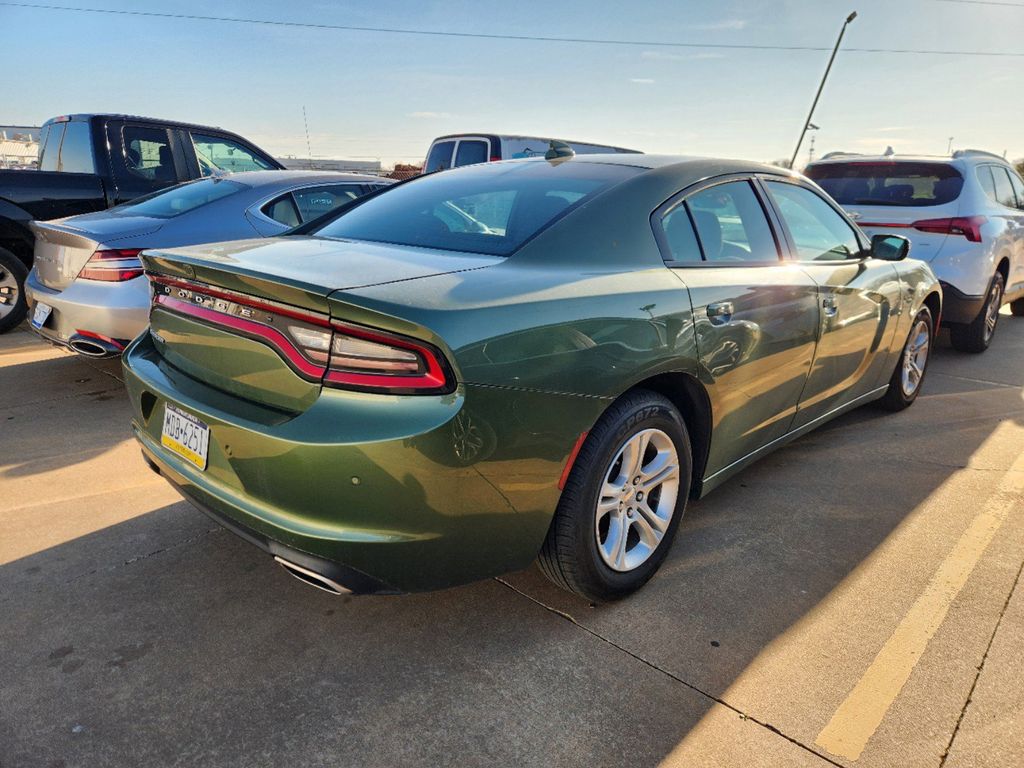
[113, 266]
[380, 362]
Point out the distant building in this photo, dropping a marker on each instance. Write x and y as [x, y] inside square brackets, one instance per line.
[19, 146]
[404, 171]
[328, 164]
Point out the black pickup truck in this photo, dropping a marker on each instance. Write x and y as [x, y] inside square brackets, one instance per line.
[91, 162]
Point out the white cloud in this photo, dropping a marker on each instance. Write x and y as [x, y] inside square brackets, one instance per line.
[430, 115]
[733, 24]
[889, 128]
[641, 80]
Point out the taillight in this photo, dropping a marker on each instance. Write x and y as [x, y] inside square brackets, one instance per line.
[380, 362]
[317, 349]
[113, 266]
[968, 226]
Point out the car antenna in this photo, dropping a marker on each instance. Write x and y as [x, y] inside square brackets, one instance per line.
[558, 150]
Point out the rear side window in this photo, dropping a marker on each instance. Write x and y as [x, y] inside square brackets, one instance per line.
[216, 153]
[76, 149]
[984, 174]
[50, 152]
[680, 235]
[905, 184]
[1004, 189]
[818, 232]
[471, 152]
[1018, 188]
[488, 208]
[731, 224]
[440, 157]
[147, 153]
[283, 211]
[180, 199]
[320, 200]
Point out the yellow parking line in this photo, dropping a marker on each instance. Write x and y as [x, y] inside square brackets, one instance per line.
[859, 716]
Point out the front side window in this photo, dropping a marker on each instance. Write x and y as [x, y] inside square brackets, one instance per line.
[50, 152]
[181, 199]
[488, 208]
[895, 183]
[818, 232]
[76, 149]
[440, 157]
[147, 153]
[216, 153]
[471, 152]
[731, 224]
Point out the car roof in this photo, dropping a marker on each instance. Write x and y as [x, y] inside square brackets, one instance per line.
[698, 167]
[263, 178]
[493, 135]
[852, 158]
[81, 116]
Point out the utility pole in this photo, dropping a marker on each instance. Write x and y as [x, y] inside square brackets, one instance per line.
[309, 152]
[949, 149]
[821, 87]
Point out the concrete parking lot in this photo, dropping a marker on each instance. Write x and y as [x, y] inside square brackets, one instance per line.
[850, 600]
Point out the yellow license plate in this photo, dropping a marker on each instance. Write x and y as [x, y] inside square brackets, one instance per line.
[185, 435]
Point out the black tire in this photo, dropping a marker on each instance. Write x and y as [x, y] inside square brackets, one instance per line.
[570, 556]
[975, 337]
[13, 306]
[1017, 308]
[896, 397]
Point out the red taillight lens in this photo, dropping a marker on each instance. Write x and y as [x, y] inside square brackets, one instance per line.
[379, 362]
[113, 266]
[968, 226]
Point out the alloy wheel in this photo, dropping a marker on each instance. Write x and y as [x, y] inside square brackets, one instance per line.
[8, 292]
[637, 500]
[995, 298]
[915, 358]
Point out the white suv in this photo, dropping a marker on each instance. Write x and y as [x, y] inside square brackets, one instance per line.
[964, 215]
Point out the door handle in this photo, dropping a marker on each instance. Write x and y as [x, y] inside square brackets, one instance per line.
[829, 305]
[720, 312]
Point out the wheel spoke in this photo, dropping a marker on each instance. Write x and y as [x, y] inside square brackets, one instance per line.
[649, 535]
[650, 517]
[651, 481]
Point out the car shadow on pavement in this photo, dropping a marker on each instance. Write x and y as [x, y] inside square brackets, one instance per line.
[165, 640]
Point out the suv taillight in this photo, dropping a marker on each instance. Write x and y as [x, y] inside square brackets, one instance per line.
[968, 226]
[113, 266]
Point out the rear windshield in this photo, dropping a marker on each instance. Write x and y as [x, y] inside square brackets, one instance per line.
[490, 208]
[180, 199]
[896, 183]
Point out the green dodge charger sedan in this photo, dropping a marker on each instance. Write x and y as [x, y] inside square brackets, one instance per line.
[516, 360]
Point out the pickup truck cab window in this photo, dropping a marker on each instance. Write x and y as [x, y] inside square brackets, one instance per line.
[147, 153]
[817, 231]
[217, 153]
[76, 149]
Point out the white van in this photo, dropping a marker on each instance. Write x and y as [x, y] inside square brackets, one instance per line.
[459, 149]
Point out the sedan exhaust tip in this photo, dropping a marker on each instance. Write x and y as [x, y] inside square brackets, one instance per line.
[312, 578]
[91, 346]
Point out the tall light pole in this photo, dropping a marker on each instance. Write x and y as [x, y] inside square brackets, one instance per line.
[821, 87]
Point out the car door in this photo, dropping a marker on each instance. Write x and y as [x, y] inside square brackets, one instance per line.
[755, 316]
[860, 298]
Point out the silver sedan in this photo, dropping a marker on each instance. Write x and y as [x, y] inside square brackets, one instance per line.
[87, 289]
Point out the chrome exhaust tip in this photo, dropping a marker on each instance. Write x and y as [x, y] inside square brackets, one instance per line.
[312, 578]
[90, 347]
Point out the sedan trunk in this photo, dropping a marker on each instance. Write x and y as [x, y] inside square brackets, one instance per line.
[62, 249]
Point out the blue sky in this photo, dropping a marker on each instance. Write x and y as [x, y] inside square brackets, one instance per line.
[386, 96]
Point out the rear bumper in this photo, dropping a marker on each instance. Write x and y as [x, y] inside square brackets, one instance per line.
[368, 487]
[959, 307]
[113, 310]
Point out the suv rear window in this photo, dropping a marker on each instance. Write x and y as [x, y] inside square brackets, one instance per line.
[907, 184]
[486, 208]
[180, 199]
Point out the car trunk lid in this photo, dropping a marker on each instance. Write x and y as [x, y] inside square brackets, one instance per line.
[62, 248]
[249, 317]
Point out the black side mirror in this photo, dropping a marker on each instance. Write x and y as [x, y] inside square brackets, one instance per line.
[890, 247]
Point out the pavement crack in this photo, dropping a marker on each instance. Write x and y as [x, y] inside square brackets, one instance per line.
[154, 553]
[981, 667]
[743, 715]
[975, 381]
